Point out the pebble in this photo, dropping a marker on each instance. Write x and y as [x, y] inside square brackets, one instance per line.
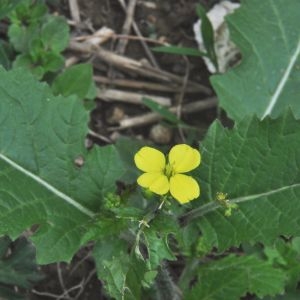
[161, 134]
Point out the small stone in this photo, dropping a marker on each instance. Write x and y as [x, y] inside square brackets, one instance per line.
[161, 134]
[115, 115]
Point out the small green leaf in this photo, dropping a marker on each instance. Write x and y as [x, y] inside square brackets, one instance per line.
[76, 80]
[55, 33]
[163, 111]
[208, 35]
[179, 50]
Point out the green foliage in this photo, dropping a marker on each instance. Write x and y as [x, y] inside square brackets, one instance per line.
[75, 80]
[6, 54]
[17, 267]
[207, 33]
[232, 277]
[249, 175]
[6, 6]
[38, 37]
[163, 111]
[179, 50]
[47, 187]
[267, 79]
[239, 162]
[286, 256]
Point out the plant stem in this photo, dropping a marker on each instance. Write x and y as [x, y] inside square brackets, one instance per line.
[199, 212]
[166, 288]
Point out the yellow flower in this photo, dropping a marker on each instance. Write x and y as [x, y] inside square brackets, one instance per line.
[161, 177]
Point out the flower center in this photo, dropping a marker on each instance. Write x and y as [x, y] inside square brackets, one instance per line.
[169, 170]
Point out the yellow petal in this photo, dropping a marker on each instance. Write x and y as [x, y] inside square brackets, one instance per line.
[184, 188]
[149, 159]
[184, 158]
[155, 182]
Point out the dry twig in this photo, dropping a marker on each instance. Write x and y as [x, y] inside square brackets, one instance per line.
[152, 86]
[122, 43]
[131, 65]
[154, 117]
[130, 97]
[74, 11]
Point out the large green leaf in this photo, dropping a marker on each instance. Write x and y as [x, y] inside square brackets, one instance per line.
[41, 137]
[268, 78]
[257, 165]
[243, 274]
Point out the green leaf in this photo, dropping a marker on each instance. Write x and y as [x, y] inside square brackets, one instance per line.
[179, 50]
[123, 273]
[40, 139]
[6, 6]
[286, 296]
[112, 262]
[267, 80]
[6, 54]
[257, 165]
[163, 111]
[286, 255]
[207, 33]
[25, 61]
[245, 274]
[21, 37]
[126, 267]
[17, 265]
[75, 80]
[55, 33]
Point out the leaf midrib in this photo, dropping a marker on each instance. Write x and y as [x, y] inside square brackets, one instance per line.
[48, 186]
[282, 82]
[214, 205]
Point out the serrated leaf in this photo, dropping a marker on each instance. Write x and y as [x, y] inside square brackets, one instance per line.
[112, 263]
[41, 137]
[121, 271]
[267, 80]
[257, 165]
[243, 275]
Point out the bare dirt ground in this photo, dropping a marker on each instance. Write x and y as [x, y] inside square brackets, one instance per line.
[125, 71]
